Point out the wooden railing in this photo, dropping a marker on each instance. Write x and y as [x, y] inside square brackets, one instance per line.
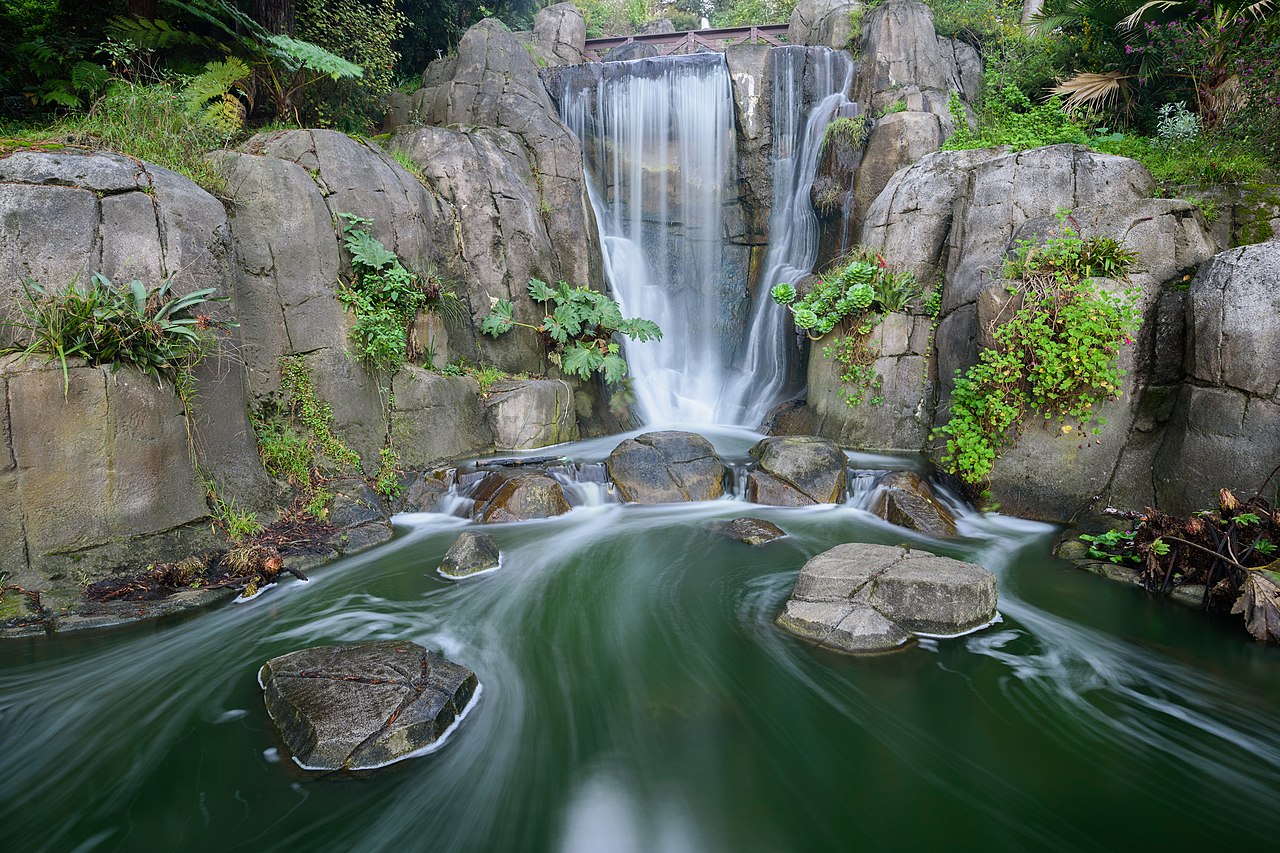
[692, 41]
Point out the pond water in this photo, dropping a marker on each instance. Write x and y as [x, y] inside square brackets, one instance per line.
[637, 697]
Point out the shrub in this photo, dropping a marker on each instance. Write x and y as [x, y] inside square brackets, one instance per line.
[1008, 117]
[579, 323]
[386, 297]
[363, 32]
[147, 328]
[1057, 356]
[1177, 123]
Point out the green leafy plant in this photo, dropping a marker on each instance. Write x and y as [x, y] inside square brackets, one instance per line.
[387, 481]
[849, 133]
[150, 329]
[386, 297]
[1056, 356]
[580, 324]
[238, 525]
[218, 95]
[1117, 546]
[1008, 117]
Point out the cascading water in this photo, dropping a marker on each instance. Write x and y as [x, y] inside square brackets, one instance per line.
[800, 115]
[658, 144]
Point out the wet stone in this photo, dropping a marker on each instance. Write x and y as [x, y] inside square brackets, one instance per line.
[752, 531]
[363, 705]
[470, 554]
[907, 500]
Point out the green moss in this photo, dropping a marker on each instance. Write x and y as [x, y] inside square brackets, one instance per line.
[12, 605]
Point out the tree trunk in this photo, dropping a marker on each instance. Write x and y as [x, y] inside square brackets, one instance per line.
[275, 15]
[142, 9]
[1029, 9]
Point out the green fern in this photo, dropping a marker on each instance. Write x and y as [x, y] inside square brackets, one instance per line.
[210, 95]
[150, 35]
[304, 54]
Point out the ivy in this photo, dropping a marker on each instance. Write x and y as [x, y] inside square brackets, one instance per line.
[1058, 356]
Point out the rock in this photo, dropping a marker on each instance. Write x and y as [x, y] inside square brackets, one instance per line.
[470, 554]
[752, 531]
[900, 420]
[437, 418]
[363, 705]
[861, 598]
[422, 492]
[906, 499]
[1225, 428]
[504, 496]
[560, 34]
[822, 22]
[528, 413]
[798, 471]
[666, 467]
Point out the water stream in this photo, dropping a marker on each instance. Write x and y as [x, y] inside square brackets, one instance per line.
[637, 697]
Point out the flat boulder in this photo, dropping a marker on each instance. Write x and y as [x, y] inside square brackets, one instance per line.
[862, 599]
[666, 467]
[906, 499]
[798, 470]
[470, 554]
[752, 531]
[364, 705]
[503, 496]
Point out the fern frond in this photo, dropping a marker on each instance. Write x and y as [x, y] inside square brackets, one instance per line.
[304, 54]
[88, 76]
[215, 83]
[149, 34]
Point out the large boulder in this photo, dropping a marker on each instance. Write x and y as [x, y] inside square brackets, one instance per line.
[824, 23]
[364, 705]
[860, 598]
[528, 413]
[1224, 430]
[503, 496]
[798, 470]
[906, 499]
[560, 35]
[666, 467]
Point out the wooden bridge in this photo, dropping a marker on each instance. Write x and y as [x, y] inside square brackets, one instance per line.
[692, 41]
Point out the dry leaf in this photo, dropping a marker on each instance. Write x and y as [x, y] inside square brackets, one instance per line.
[1259, 602]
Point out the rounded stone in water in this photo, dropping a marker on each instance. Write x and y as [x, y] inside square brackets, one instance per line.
[470, 554]
[364, 705]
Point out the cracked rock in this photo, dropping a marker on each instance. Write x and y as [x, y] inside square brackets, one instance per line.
[363, 705]
[862, 599]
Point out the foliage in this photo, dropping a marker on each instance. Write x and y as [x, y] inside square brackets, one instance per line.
[1230, 550]
[150, 329]
[850, 133]
[1057, 356]
[386, 297]
[237, 524]
[1212, 159]
[978, 22]
[363, 32]
[148, 122]
[859, 283]
[580, 324]
[60, 72]
[1177, 124]
[1010, 118]
[387, 481]
[311, 417]
[217, 96]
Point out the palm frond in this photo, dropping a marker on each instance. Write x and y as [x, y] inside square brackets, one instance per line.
[1093, 91]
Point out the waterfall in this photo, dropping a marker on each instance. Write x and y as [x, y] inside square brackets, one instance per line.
[659, 154]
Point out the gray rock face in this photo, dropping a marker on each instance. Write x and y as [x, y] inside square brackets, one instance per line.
[901, 422]
[822, 22]
[560, 34]
[470, 554]
[798, 470]
[503, 497]
[363, 705]
[527, 413]
[1225, 428]
[860, 598]
[666, 467]
[907, 500]
[751, 531]
[437, 418]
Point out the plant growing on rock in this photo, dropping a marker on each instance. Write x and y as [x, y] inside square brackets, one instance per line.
[1057, 356]
[580, 324]
[150, 329]
[852, 295]
[386, 297]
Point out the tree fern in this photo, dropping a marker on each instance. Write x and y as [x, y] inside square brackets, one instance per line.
[209, 96]
[314, 58]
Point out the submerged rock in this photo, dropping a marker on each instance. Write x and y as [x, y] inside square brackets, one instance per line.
[518, 497]
[907, 500]
[666, 467]
[798, 470]
[752, 531]
[470, 554]
[363, 705]
[860, 598]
